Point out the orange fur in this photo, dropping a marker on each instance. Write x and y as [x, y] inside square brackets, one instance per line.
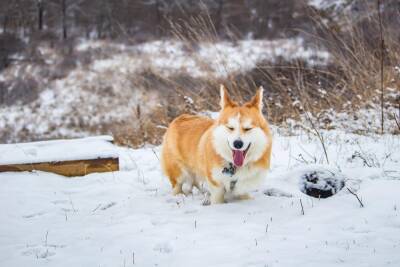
[188, 150]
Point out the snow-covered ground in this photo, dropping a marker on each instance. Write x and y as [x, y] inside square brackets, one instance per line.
[130, 218]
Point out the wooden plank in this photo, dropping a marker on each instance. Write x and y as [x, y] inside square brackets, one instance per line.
[67, 168]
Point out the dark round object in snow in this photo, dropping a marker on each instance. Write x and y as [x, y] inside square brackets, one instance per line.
[321, 183]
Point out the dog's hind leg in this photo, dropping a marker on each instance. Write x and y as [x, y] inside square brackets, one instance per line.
[177, 189]
[174, 173]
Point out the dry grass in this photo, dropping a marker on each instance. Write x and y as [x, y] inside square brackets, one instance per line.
[349, 82]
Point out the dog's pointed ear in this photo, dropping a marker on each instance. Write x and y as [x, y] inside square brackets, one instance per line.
[225, 99]
[257, 100]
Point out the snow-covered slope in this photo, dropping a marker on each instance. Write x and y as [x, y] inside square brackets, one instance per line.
[130, 218]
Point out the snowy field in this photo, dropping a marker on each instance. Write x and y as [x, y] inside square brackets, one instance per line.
[130, 218]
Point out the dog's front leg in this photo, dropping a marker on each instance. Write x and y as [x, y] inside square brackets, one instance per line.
[217, 194]
[216, 190]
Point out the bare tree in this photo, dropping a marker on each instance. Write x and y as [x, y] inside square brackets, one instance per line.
[40, 11]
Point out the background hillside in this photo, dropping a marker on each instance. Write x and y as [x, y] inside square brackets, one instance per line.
[72, 68]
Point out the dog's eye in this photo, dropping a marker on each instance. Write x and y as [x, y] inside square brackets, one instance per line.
[247, 129]
[230, 128]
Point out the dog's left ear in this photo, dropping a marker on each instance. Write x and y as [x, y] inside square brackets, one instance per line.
[225, 101]
[257, 100]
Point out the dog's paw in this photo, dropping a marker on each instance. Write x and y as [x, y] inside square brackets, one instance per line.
[206, 202]
[177, 190]
[245, 196]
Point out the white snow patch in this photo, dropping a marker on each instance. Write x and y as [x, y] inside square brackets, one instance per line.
[325, 4]
[58, 150]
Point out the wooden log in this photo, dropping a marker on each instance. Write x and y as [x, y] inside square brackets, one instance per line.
[67, 168]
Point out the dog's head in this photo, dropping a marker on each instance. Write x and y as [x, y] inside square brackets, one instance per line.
[242, 133]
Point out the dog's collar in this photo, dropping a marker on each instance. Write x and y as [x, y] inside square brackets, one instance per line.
[229, 170]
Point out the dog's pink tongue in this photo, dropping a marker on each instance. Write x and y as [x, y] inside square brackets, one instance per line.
[238, 157]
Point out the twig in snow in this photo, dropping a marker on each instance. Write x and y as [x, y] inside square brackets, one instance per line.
[72, 204]
[312, 157]
[109, 205]
[313, 126]
[396, 120]
[98, 206]
[155, 154]
[266, 228]
[133, 258]
[45, 241]
[302, 208]
[319, 135]
[354, 194]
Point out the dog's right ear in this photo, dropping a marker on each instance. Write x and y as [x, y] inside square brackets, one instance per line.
[225, 99]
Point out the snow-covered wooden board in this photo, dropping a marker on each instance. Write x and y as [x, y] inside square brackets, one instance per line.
[74, 157]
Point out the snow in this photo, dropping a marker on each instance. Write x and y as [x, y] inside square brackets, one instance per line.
[58, 150]
[220, 59]
[130, 218]
[325, 4]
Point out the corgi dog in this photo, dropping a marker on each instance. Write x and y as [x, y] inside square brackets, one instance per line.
[230, 155]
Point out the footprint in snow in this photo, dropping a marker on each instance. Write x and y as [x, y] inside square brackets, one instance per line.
[60, 201]
[39, 252]
[274, 192]
[36, 214]
[164, 247]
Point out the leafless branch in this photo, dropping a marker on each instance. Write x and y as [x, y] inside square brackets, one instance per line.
[318, 134]
[155, 154]
[396, 120]
[302, 208]
[354, 194]
[382, 48]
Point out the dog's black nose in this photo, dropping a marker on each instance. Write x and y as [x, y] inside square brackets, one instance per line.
[238, 144]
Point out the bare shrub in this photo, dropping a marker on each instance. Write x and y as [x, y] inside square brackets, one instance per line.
[23, 91]
[349, 82]
[9, 45]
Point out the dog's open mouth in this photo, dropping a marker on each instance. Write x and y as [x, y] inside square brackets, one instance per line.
[239, 156]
